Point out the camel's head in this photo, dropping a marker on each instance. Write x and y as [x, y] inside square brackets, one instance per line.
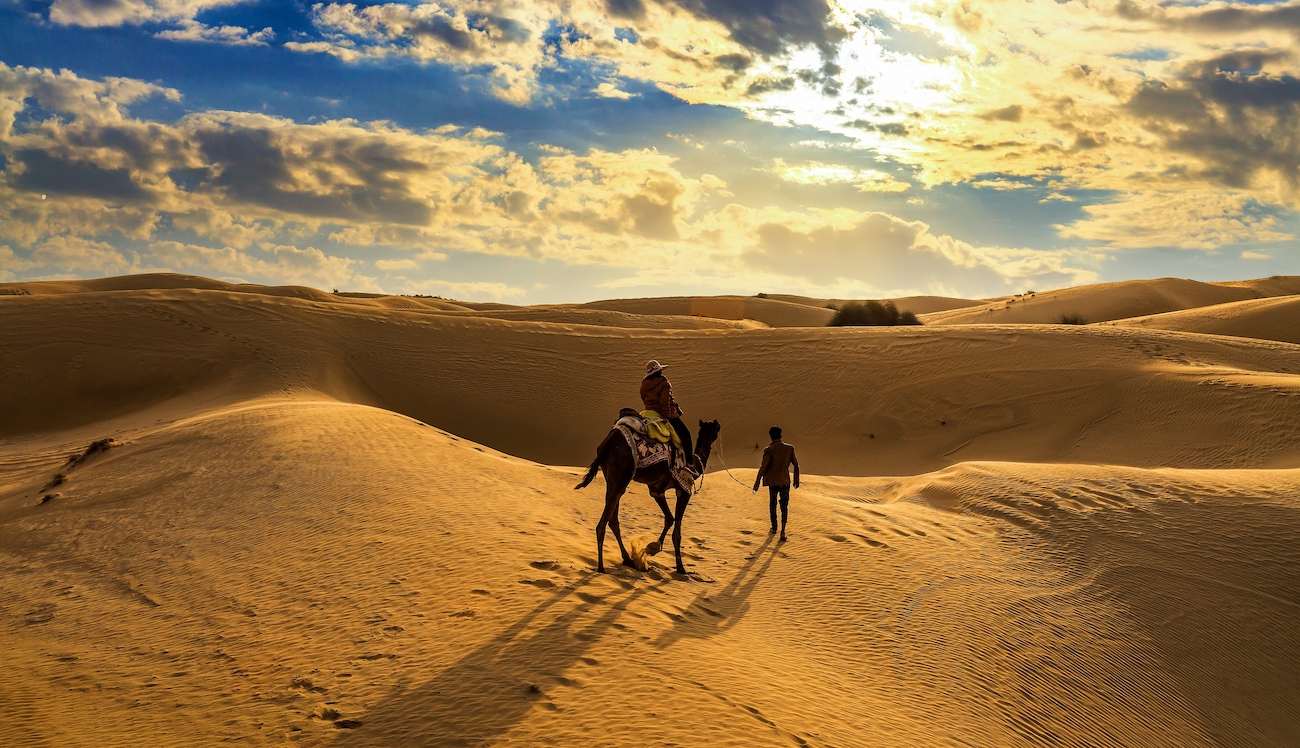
[708, 433]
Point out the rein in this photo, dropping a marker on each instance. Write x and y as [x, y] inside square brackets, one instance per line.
[721, 458]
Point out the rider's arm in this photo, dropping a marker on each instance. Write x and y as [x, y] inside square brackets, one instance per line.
[795, 462]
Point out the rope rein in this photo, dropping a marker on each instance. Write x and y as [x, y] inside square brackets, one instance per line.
[723, 459]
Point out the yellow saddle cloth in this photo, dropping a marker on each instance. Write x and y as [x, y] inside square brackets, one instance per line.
[660, 430]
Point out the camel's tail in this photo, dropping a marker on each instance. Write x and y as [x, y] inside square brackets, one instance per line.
[601, 452]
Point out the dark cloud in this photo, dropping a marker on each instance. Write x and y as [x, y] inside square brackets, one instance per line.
[147, 147]
[437, 27]
[884, 128]
[768, 27]
[763, 85]
[633, 10]
[250, 166]
[1229, 114]
[733, 62]
[1227, 19]
[507, 29]
[44, 172]
[1011, 113]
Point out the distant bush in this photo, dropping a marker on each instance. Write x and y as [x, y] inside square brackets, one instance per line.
[761, 295]
[871, 313]
[1071, 318]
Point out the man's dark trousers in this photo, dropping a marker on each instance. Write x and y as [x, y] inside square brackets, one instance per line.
[783, 492]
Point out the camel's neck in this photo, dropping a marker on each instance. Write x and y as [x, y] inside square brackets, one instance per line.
[703, 451]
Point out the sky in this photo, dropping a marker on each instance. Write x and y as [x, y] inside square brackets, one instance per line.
[569, 150]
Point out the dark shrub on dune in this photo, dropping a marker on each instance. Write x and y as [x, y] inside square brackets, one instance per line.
[871, 313]
[1071, 318]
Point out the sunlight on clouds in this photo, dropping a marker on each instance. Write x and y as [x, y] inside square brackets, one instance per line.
[282, 264]
[193, 31]
[610, 90]
[1134, 97]
[818, 173]
[1187, 220]
[118, 12]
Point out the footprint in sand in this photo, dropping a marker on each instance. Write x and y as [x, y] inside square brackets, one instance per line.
[545, 584]
[545, 565]
[837, 538]
[872, 543]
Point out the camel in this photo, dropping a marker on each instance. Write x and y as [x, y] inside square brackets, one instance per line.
[614, 458]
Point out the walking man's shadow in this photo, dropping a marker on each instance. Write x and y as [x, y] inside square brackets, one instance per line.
[493, 687]
[711, 614]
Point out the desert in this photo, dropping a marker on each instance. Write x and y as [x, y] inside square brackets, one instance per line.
[260, 514]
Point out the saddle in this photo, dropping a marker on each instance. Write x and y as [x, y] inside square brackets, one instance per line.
[651, 446]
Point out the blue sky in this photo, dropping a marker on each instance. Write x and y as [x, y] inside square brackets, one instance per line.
[548, 152]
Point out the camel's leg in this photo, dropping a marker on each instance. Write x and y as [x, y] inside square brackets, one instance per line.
[662, 501]
[618, 535]
[612, 495]
[683, 499]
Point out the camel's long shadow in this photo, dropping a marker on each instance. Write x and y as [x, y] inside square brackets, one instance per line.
[712, 614]
[493, 687]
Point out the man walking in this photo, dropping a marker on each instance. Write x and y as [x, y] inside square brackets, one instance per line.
[775, 474]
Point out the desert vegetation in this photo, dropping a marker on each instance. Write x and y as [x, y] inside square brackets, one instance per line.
[871, 313]
[1070, 318]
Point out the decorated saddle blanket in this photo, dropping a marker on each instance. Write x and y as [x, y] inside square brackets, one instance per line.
[648, 451]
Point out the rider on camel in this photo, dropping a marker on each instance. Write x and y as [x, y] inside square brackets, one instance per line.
[657, 395]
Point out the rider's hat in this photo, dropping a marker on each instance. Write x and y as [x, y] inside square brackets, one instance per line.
[654, 367]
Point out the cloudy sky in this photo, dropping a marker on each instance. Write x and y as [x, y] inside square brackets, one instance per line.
[567, 150]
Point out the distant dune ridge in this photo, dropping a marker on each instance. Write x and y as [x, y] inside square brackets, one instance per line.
[348, 519]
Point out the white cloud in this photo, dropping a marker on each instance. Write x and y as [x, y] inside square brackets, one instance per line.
[71, 254]
[118, 12]
[1249, 255]
[1196, 220]
[819, 173]
[610, 90]
[11, 264]
[389, 265]
[193, 31]
[276, 264]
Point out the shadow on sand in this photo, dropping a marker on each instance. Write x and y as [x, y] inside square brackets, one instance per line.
[1217, 591]
[493, 687]
[710, 614]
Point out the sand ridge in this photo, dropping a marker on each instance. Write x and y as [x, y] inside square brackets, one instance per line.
[1276, 318]
[899, 403]
[1111, 301]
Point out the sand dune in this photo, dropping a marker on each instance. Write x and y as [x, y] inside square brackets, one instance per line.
[337, 521]
[768, 311]
[863, 401]
[571, 315]
[1266, 319]
[1112, 301]
[336, 574]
